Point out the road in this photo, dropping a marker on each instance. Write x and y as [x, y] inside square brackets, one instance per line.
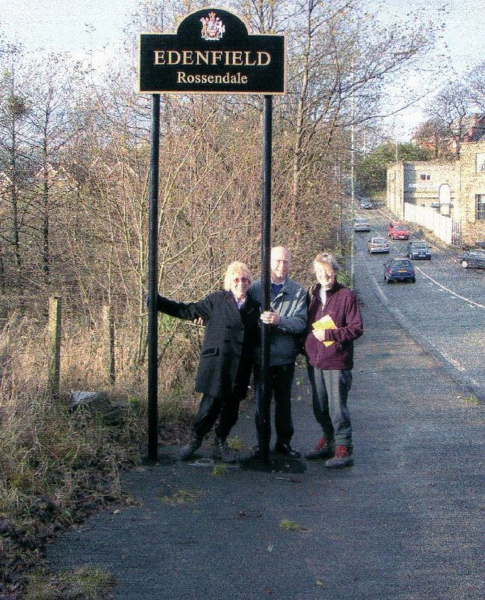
[444, 309]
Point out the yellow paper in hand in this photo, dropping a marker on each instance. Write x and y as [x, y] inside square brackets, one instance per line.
[325, 322]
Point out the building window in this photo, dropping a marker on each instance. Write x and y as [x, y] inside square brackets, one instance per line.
[425, 177]
[480, 162]
[480, 206]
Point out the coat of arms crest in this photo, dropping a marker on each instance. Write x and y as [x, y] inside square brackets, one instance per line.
[212, 27]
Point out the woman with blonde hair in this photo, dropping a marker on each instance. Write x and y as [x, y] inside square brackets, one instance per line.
[231, 330]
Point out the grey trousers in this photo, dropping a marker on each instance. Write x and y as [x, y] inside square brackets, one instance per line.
[330, 390]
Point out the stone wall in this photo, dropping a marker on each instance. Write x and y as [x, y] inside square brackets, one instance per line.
[472, 184]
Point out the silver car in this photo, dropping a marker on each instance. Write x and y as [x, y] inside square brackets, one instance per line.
[377, 244]
[361, 224]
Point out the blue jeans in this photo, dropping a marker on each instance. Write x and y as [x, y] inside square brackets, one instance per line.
[330, 390]
[280, 383]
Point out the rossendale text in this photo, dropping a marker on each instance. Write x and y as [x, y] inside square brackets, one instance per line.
[232, 58]
[236, 78]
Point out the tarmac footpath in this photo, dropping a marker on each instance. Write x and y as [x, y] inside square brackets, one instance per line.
[405, 522]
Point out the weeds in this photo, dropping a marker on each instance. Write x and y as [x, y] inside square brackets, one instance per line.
[235, 443]
[58, 466]
[87, 582]
[219, 470]
[182, 497]
[472, 399]
[288, 525]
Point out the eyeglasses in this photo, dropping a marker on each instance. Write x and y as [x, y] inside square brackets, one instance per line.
[240, 279]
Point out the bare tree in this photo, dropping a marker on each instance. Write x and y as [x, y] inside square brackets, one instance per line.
[450, 109]
[475, 82]
[13, 164]
[52, 124]
[339, 61]
[434, 135]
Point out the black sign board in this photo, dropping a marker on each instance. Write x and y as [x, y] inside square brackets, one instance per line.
[212, 52]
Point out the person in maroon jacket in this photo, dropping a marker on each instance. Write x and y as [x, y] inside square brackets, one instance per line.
[334, 322]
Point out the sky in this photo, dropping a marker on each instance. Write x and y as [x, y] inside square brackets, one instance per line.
[465, 26]
[463, 42]
[73, 26]
[82, 26]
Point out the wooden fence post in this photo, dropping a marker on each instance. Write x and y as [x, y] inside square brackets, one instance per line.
[109, 329]
[54, 331]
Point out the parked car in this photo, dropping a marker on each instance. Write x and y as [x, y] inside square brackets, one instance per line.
[361, 224]
[366, 204]
[473, 259]
[435, 204]
[479, 245]
[399, 269]
[418, 249]
[398, 231]
[377, 244]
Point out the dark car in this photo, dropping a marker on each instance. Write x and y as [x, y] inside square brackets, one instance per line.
[366, 204]
[473, 259]
[418, 249]
[399, 269]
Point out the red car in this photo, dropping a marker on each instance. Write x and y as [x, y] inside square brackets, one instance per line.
[398, 231]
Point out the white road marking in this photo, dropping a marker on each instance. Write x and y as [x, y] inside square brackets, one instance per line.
[448, 289]
[406, 323]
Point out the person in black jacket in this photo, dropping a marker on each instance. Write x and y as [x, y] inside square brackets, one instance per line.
[231, 331]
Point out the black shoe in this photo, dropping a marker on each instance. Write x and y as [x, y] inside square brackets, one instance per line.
[257, 454]
[287, 450]
[222, 451]
[191, 448]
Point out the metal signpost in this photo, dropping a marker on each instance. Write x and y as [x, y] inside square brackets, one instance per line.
[264, 412]
[211, 53]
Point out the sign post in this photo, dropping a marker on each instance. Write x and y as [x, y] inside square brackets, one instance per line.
[152, 283]
[211, 53]
[265, 399]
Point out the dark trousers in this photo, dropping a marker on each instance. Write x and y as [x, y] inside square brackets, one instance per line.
[211, 408]
[280, 381]
[330, 390]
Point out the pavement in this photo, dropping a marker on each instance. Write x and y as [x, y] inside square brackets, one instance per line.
[405, 522]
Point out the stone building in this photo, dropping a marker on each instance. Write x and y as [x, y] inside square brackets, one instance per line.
[472, 192]
[446, 196]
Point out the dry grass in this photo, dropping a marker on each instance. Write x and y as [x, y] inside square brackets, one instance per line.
[58, 466]
[89, 583]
